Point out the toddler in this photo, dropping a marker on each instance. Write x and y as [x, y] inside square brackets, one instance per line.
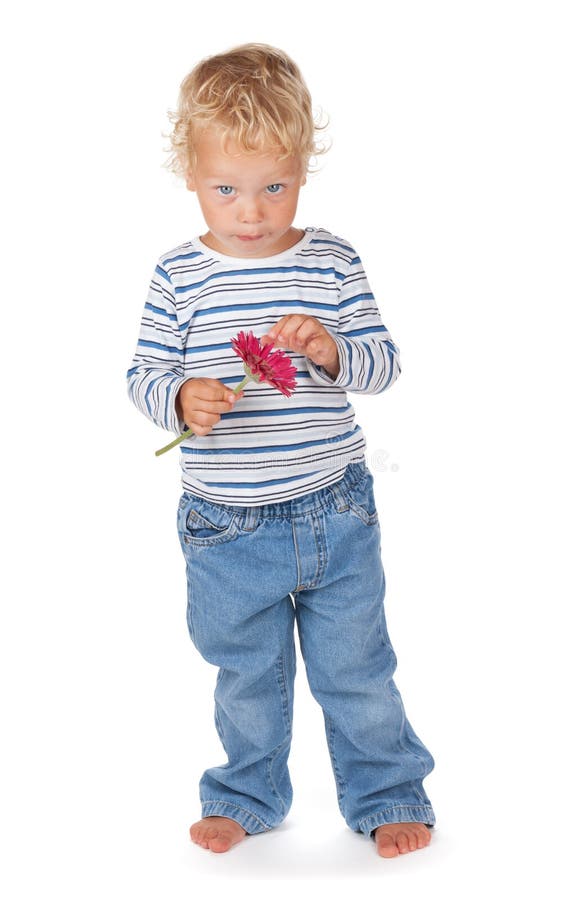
[277, 519]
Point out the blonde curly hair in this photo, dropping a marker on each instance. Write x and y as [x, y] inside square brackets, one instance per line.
[256, 95]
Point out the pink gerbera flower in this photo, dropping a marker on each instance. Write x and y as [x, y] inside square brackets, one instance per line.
[264, 363]
[260, 364]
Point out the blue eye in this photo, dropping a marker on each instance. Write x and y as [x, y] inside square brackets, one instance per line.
[274, 188]
[226, 188]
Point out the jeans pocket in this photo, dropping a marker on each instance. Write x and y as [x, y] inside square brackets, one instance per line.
[202, 524]
[362, 499]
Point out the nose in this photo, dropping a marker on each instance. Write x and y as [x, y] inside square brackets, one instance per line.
[251, 212]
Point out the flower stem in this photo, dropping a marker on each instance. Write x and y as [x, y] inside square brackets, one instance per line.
[189, 432]
[242, 384]
[174, 443]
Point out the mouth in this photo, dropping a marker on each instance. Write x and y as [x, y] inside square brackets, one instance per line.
[249, 237]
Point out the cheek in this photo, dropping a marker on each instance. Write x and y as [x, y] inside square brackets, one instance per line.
[213, 213]
[286, 210]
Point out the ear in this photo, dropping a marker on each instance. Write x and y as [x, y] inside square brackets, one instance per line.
[189, 179]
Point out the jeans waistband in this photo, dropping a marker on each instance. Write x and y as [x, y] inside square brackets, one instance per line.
[336, 493]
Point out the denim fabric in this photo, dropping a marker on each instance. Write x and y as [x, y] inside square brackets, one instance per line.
[251, 571]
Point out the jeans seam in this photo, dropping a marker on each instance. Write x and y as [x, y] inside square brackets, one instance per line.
[421, 806]
[190, 619]
[240, 808]
[296, 553]
[337, 774]
[403, 741]
[320, 549]
[219, 726]
[271, 780]
[282, 682]
[317, 528]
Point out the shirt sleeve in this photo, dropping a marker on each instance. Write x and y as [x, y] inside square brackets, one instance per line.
[368, 358]
[157, 370]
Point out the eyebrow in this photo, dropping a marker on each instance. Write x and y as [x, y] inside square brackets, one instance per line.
[269, 177]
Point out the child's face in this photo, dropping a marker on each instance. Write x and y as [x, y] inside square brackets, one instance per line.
[248, 201]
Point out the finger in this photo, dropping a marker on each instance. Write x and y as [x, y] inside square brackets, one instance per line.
[282, 328]
[213, 389]
[301, 335]
[200, 428]
[203, 417]
[307, 332]
[197, 404]
[208, 394]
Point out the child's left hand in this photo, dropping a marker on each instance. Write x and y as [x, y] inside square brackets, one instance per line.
[304, 334]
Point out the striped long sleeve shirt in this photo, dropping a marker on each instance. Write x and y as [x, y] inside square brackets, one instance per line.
[269, 448]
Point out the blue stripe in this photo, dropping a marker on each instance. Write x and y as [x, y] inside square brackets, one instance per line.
[331, 244]
[286, 411]
[272, 304]
[343, 304]
[159, 311]
[250, 484]
[228, 273]
[157, 346]
[391, 367]
[160, 271]
[273, 448]
[192, 255]
[371, 367]
[230, 379]
[349, 364]
[356, 332]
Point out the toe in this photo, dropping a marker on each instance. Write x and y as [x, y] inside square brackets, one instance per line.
[202, 833]
[386, 845]
[423, 837]
[412, 839]
[402, 842]
[220, 844]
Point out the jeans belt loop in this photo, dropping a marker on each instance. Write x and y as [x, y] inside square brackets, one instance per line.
[341, 500]
[251, 518]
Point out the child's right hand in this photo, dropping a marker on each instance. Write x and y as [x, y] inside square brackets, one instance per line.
[200, 402]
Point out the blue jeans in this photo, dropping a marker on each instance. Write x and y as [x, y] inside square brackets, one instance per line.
[251, 571]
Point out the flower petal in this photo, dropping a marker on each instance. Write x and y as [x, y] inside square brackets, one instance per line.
[273, 367]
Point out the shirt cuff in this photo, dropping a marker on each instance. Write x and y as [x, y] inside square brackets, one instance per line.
[174, 423]
[322, 376]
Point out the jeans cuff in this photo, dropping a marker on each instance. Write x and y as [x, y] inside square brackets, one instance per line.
[250, 822]
[423, 814]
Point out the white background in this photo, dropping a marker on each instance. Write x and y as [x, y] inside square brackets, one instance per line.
[453, 172]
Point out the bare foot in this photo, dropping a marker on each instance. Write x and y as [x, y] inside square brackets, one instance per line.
[217, 833]
[401, 837]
